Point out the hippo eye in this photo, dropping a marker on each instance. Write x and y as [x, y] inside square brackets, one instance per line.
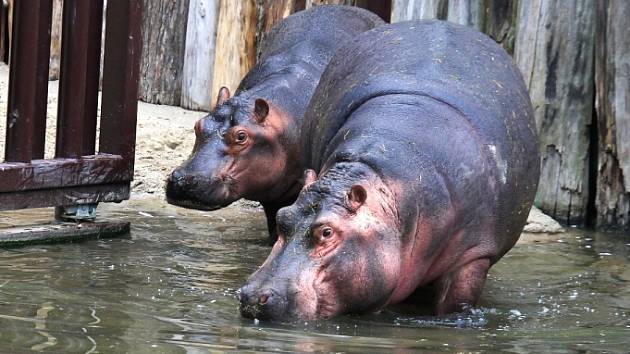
[241, 137]
[327, 233]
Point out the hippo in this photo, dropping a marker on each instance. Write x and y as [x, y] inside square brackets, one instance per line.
[248, 146]
[423, 165]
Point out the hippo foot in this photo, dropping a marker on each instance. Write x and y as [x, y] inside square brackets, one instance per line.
[458, 291]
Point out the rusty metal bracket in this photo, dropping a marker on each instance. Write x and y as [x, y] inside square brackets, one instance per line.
[82, 212]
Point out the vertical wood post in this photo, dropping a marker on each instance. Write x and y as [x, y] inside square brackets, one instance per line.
[78, 82]
[235, 52]
[612, 78]
[123, 45]
[28, 81]
[404, 10]
[555, 51]
[199, 54]
[55, 42]
[163, 45]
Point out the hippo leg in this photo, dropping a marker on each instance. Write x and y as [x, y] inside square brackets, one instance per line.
[460, 289]
[271, 209]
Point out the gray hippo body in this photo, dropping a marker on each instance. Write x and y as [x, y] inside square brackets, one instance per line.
[248, 146]
[423, 137]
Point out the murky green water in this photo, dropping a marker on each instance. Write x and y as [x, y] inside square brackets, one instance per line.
[171, 285]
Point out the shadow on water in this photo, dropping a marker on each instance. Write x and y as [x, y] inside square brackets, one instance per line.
[170, 286]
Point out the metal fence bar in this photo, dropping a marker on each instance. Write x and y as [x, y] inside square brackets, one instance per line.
[120, 78]
[79, 77]
[28, 80]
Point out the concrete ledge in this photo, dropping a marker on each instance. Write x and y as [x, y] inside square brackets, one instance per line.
[61, 232]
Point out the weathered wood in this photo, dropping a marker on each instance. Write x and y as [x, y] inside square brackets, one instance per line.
[79, 78]
[405, 10]
[4, 32]
[44, 174]
[41, 198]
[119, 107]
[467, 12]
[55, 40]
[163, 45]
[28, 81]
[199, 54]
[554, 50]
[235, 51]
[612, 78]
[269, 13]
[61, 232]
[500, 17]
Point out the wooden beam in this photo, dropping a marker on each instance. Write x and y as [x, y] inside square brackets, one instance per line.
[116, 192]
[57, 173]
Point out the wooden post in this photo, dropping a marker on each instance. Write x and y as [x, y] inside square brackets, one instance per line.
[554, 49]
[405, 10]
[271, 12]
[163, 45]
[466, 12]
[55, 42]
[28, 81]
[612, 78]
[199, 54]
[119, 110]
[235, 51]
[500, 17]
[4, 32]
[79, 77]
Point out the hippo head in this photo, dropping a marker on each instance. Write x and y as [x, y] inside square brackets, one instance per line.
[240, 152]
[337, 251]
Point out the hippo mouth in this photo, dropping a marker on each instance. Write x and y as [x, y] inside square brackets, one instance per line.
[193, 204]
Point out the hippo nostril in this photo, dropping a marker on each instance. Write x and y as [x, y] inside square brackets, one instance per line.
[263, 299]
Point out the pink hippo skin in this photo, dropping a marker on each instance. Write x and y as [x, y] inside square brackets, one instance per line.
[423, 137]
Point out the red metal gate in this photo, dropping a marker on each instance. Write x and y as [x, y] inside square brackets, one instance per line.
[78, 175]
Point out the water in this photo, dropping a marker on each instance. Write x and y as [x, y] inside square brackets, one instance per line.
[170, 287]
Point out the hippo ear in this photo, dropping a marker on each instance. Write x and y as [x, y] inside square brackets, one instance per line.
[261, 110]
[356, 197]
[224, 95]
[309, 177]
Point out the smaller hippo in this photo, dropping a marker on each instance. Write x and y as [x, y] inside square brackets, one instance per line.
[248, 146]
[425, 143]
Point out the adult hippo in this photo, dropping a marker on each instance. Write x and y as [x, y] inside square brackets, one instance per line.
[248, 146]
[424, 139]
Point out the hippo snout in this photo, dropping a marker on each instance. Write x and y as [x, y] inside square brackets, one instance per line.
[262, 304]
[197, 191]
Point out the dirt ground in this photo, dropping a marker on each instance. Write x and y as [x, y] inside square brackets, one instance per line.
[164, 139]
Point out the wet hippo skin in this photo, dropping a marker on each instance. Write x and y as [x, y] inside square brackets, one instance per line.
[248, 146]
[425, 143]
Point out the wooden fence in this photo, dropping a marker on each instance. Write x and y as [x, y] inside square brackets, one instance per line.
[77, 175]
[574, 56]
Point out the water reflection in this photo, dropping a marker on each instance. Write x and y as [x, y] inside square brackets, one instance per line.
[171, 285]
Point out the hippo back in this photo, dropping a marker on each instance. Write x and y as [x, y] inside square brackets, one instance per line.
[298, 48]
[455, 66]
